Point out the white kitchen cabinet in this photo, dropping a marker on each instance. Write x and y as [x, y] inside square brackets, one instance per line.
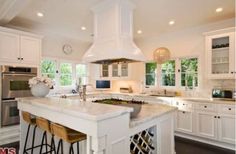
[184, 121]
[220, 54]
[9, 47]
[30, 49]
[206, 124]
[115, 71]
[19, 48]
[226, 128]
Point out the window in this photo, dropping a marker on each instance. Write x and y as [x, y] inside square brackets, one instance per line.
[81, 74]
[48, 68]
[189, 72]
[66, 74]
[168, 73]
[150, 74]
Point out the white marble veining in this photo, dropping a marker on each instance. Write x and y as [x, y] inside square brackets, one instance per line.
[86, 110]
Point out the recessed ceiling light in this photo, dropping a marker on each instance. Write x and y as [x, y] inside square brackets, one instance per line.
[172, 22]
[83, 28]
[220, 9]
[40, 14]
[139, 32]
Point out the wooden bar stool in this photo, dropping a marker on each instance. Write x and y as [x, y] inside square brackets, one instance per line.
[30, 119]
[44, 124]
[69, 135]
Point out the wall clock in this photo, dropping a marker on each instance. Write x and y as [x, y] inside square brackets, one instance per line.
[67, 49]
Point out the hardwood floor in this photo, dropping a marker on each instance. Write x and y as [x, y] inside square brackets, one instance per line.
[182, 146]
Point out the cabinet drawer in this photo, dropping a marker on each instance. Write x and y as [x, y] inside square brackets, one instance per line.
[206, 107]
[227, 109]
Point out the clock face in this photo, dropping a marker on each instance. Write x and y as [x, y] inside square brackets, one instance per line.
[67, 49]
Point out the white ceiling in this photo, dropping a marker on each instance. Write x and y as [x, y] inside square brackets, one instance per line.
[151, 16]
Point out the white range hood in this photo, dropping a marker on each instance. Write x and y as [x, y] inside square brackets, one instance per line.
[113, 34]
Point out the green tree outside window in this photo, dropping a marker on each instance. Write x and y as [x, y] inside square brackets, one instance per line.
[48, 68]
[66, 74]
[168, 73]
[189, 72]
[150, 73]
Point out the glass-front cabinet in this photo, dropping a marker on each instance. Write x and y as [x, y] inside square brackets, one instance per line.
[115, 70]
[220, 54]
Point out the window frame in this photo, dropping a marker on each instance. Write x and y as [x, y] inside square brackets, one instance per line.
[58, 62]
[156, 79]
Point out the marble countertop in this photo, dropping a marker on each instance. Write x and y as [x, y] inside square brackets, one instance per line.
[150, 112]
[86, 110]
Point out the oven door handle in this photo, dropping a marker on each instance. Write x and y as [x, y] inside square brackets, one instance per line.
[7, 101]
[18, 74]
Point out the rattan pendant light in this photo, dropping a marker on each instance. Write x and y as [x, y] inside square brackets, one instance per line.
[161, 55]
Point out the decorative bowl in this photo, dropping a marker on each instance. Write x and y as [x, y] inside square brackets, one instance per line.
[40, 90]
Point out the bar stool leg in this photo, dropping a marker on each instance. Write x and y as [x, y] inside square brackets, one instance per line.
[26, 138]
[32, 150]
[60, 146]
[77, 147]
[71, 148]
[53, 147]
[42, 141]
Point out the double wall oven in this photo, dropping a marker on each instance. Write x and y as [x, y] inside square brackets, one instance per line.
[14, 83]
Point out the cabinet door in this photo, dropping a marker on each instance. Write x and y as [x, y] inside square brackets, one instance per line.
[30, 49]
[184, 121]
[206, 124]
[104, 70]
[226, 128]
[115, 70]
[9, 47]
[220, 56]
[124, 70]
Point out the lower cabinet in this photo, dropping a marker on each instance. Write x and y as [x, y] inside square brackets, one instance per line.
[212, 121]
[206, 124]
[226, 128]
[184, 121]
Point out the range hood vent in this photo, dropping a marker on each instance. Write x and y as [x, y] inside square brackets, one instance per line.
[113, 34]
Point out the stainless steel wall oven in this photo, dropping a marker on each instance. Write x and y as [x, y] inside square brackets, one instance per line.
[14, 83]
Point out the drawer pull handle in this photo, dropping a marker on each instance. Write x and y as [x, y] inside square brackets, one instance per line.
[229, 108]
[205, 106]
[218, 117]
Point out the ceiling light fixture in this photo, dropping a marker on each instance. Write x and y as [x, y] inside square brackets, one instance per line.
[220, 9]
[40, 14]
[139, 32]
[83, 28]
[172, 22]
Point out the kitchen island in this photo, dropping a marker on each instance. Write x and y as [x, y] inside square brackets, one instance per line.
[109, 128]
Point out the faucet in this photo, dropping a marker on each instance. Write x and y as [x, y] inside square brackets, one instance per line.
[82, 92]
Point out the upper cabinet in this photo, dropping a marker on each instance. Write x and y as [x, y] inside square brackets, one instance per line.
[116, 70]
[220, 54]
[19, 48]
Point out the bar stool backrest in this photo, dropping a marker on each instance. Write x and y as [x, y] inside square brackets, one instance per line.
[44, 124]
[59, 131]
[28, 117]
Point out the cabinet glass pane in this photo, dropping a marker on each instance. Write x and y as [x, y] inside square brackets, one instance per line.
[220, 55]
[105, 72]
[124, 69]
[115, 70]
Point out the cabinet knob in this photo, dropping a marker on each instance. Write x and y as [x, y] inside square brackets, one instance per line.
[205, 106]
[218, 117]
[215, 117]
[183, 112]
[232, 72]
[183, 104]
[229, 108]
[21, 58]
[18, 58]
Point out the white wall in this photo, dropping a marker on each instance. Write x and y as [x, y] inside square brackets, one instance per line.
[187, 42]
[52, 47]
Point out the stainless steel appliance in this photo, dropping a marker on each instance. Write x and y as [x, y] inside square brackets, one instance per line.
[223, 94]
[14, 83]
